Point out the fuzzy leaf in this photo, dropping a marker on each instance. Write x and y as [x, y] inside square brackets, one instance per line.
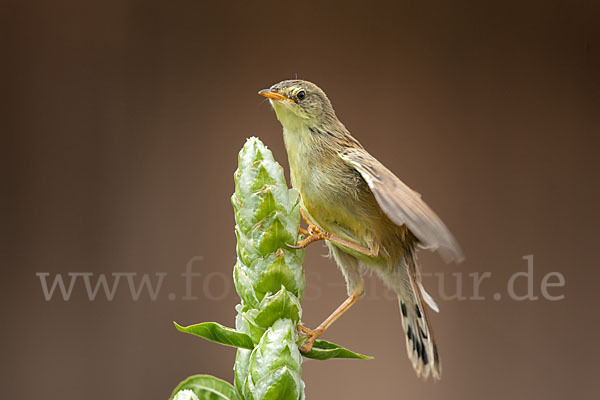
[283, 383]
[246, 324]
[246, 251]
[278, 269]
[277, 348]
[242, 362]
[218, 333]
[271, 233]
[243, 285]
[282, 304]
[207, 387]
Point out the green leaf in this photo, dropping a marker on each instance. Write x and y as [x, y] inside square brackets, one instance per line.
[278, 269]
[282, 304]
[262, 179]
[207, 387]
[246, 251]
[277, 348]
[283, 383]
[245, 323]
[324, 350]
[218, 333]
[242, 362]
[243, 285]
[270, 233]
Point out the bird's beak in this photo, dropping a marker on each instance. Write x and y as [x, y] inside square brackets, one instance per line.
[273, 95]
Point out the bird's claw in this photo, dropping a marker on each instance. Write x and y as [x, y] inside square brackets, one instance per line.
[313, 234]
[311, 337]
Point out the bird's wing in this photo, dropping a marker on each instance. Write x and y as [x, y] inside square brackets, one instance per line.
[403, 205]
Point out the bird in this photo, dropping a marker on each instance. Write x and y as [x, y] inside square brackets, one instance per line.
[369, 218]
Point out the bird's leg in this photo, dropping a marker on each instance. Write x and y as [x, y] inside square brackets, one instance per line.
[313, 335]
[305, 232]
[313, 234]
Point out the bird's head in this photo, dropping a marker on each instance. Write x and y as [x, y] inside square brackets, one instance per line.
[298, 102]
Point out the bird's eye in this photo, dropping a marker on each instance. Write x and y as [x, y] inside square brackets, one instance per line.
[301, 95]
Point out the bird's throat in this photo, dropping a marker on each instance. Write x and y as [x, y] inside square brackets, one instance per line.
[300, 150]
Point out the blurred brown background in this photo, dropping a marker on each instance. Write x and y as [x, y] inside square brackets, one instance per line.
[121, 123]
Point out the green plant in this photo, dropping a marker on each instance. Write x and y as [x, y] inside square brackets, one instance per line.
[269, 279]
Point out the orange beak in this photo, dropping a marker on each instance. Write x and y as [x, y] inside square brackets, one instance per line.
[273, 95]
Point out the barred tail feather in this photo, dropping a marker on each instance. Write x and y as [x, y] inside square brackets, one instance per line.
[420, 343]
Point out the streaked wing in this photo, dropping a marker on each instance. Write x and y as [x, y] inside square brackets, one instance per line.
[403, 205]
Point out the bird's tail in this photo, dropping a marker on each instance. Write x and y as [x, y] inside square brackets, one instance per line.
[420, 342]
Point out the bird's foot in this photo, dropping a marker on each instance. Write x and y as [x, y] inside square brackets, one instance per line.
[312, 234]
[311, 336]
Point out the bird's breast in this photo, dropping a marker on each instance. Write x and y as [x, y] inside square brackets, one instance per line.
[333, 193]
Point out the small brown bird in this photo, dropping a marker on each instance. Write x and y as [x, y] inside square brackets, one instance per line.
[369, 217]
